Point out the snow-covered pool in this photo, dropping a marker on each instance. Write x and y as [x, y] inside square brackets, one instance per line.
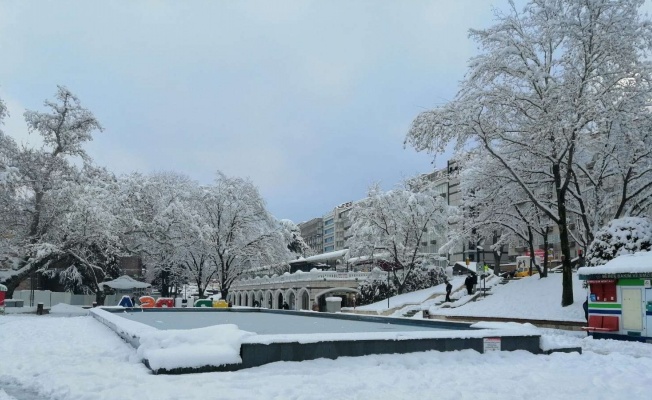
[266, 322]
[187, 340]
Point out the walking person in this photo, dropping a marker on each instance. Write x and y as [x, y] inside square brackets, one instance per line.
[449, 288]
[585, 306]
[468, 282]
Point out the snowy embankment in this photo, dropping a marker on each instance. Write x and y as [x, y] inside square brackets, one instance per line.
[529, 298]
[413, 298]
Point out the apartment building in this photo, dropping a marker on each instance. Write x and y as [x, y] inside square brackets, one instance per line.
[342, 225]
[335, 228]
[329, 232]
[313, 234]
[432, 241]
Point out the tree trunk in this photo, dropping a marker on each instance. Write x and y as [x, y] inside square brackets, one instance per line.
[497, 257]
[544, 272]
[567, 271]
[100, 297]
[15, 280]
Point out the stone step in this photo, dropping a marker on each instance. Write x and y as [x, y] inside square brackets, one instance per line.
[411, 313]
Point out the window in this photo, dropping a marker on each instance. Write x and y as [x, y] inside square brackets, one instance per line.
[328, 248]
[329, 230]
[328, 240]
[328, 222]
[603, 290]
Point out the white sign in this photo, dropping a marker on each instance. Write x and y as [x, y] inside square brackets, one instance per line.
[491, 344]
[648, 283]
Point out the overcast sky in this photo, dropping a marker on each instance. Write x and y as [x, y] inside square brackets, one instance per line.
[309, 99]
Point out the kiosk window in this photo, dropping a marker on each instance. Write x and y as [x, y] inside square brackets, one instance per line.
[603, 291]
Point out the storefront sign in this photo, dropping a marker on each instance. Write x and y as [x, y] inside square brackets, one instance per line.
[623, 275]
[602, 281]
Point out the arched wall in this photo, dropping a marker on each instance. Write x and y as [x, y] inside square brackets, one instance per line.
[269, 299]
[303, 299]
[279, 298]
[290, 297]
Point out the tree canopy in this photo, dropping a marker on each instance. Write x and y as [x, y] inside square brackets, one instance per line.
[554, 85]
[393, 224]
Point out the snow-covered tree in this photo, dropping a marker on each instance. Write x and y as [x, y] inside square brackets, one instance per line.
[82, 244]
[238, 230]
[395, 223]
[3, 112]
[12, 216]
[296, 245]
[41, 172]
[612, 177]
[552, 79]
[11, 210]
[162, 224]
[497, 212]
[625, 235]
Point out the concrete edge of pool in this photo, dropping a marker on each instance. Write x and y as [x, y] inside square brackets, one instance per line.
[257, 354]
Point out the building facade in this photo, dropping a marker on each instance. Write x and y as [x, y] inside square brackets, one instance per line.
[335, 229]
[342, 225]
[329, 232]
[313, 234]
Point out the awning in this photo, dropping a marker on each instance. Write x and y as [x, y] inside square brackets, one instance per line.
[125, 282]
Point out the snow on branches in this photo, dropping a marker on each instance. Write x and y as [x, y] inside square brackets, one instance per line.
[621, 236]
[559, 98]
[395, 223]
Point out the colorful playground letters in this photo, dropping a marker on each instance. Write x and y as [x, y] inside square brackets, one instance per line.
[168, 302]
[162, 302]
[211, 303]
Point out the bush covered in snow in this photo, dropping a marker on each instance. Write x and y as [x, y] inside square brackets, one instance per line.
[375, 287]
[423, 278]
[621, 236]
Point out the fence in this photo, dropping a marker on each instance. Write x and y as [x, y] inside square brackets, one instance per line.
[49, 298]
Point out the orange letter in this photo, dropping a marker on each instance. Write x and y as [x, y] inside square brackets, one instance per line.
[147, 302]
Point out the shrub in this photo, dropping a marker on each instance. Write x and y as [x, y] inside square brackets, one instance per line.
[621, 236]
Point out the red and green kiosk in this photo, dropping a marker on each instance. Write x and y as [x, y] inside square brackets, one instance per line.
[620, 298]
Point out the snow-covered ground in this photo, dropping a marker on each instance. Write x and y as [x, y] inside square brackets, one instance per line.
[526, 298]
[76, 357]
